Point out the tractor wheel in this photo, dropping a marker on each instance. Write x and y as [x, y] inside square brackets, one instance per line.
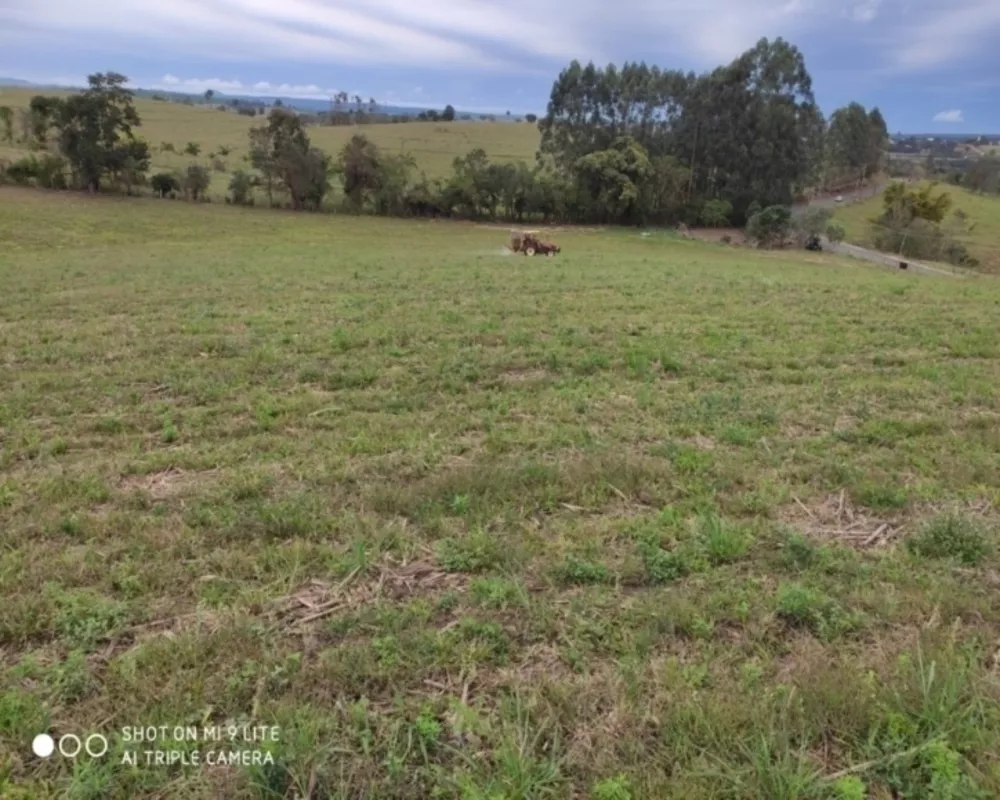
[529, 251]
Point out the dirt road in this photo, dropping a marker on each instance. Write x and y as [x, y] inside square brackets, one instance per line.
[885, 259]
[830, 201]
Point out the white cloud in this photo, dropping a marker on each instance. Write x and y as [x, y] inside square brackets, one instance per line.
[466, 34]
[942, 34]
[866, 12]
[175, 84]
[955, 115]
[498, 35]
[261, 88]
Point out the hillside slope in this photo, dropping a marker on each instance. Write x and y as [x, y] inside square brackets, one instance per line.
[982, 238]
[434, 145]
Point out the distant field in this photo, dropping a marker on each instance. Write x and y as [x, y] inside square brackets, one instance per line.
[434, 145]
[652, 519]
[983, 240]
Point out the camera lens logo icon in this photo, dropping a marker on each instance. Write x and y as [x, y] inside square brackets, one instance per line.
[70, 745]
[43, 745]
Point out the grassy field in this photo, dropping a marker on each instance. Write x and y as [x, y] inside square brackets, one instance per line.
[434, 145]
[983, 212]
[653, 519]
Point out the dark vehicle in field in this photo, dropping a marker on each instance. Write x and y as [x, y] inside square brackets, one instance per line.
[528, 243]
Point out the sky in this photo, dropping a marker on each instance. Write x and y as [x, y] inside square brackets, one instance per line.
[928, 64]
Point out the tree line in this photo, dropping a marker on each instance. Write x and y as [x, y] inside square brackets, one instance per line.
[635, 145]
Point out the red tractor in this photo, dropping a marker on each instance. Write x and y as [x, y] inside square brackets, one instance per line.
[526, 242]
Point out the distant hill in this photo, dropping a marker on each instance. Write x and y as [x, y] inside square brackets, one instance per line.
[954, 137]
[315, 105]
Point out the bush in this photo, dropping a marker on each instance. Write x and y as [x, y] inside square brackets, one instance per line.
[47, 172]
[192, 148]
[164, 184]
[770, 227]
[167, 147]
[23, 171]
[715, 213]
[812, 222]
[51, 172]
[241, 187]
[955, 252]
[835, 232]
[225, 151]
[196, 180]
[218, 164]
[918, 239]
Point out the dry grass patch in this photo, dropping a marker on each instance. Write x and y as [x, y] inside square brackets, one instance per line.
[836, 518]
[168, 483]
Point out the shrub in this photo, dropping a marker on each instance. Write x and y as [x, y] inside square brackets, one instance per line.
[225, 151]
[954, 252]
[196, 180]
[918, 239]
[812, 222]
[770, 226]
[164, 184]
[835, 232]
[167, 147]
[715, 213]
[921, 238]
[192, 148]
[23, 171]
[241, 187]
[51, 172]
[218, 164]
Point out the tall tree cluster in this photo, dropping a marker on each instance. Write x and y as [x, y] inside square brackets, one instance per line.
[856, 143]
[94, 132]
[749, 131]
[282, 152]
